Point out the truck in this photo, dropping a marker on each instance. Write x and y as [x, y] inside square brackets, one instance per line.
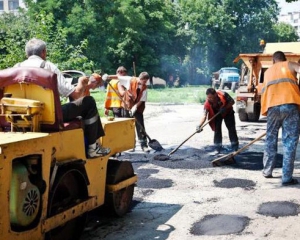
[47, 184]
[254, 65]
[226, 77]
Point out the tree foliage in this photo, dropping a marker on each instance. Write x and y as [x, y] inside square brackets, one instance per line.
[187, 39]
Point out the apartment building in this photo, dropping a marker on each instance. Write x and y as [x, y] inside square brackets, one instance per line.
[293, 18]
[10, 5]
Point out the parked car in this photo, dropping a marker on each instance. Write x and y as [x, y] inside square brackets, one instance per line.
[226, 77]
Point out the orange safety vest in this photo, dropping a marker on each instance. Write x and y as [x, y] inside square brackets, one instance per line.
[112, 99]
[210, 110]
[131, 98]
[280, 87]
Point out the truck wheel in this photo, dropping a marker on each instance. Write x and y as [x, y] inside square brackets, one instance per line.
[119, 202]
[222, 86]
[233, 87]
[69, 189]
[243, 116]
[213, 85]
[254, 117]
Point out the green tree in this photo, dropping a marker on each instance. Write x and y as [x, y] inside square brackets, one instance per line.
[284, 32]
[18, 29]
[220, 30]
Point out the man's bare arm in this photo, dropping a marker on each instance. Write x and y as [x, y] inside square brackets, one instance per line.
[80, 88]
[294, 67]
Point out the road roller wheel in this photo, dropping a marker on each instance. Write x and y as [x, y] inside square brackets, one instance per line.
[68, 190]
[118, 203]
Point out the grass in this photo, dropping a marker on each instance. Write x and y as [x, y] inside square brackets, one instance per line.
[183, 95]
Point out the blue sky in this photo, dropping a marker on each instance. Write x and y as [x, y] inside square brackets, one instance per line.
[289, 7]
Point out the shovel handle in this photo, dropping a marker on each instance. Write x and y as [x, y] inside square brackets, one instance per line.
[174, 150]
[126, 106]
[230, 155]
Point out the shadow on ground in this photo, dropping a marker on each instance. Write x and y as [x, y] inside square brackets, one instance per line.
[253, 161]
[145, 221]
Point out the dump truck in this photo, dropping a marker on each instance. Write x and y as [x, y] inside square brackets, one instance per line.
[47, 184]
[226, 77]
[248, 95]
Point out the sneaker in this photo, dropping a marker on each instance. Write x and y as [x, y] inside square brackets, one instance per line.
[267, 175]
[292, 182]
[145, 149]
[98, 151]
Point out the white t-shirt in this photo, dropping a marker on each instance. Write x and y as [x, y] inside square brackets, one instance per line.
[65, 88]
[125, 81]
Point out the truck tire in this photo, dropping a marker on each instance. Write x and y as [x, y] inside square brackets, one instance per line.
[254, 117]
[233, 86]
[243, 116]
[118, 203]
[222, 86]
[213, 85]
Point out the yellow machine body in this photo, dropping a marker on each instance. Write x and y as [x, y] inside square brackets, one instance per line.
[34, 166]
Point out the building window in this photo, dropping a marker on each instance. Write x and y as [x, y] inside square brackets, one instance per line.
[13, 4]
[1, 6]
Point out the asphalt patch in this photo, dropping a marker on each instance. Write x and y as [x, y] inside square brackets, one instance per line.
[235, 183]
[161, 157]
[279, 209]
[146, 172]
[253, 161]
[220, 224]
[155, 183]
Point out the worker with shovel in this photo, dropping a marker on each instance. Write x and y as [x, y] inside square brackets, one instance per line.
[134, 98]
[220, 103]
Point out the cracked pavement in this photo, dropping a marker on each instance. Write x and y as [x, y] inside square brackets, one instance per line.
[186, 198]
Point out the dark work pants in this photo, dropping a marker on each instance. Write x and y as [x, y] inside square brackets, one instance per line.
[86, 108]
[230, 124]
[120, 112]
[139, 117]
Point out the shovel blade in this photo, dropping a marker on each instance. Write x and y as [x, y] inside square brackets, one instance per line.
[227, 161]
[155, 145]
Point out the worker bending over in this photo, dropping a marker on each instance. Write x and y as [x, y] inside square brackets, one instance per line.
[219, 102]
[134, 97]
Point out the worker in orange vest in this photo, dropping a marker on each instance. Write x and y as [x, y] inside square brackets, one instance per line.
[114, 90]
[219, 101]
[280, 102]
[133, 99]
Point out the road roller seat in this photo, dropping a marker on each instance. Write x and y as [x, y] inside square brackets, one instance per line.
[29, 98]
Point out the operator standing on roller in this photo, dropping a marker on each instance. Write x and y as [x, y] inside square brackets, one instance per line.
[219, 101]
[84, 106]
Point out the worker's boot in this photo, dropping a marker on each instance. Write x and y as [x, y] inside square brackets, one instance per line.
[145, 148]
[234, 146]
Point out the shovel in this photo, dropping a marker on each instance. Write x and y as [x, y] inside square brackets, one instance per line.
[229, 158]
[163, 157]
[153, 143]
